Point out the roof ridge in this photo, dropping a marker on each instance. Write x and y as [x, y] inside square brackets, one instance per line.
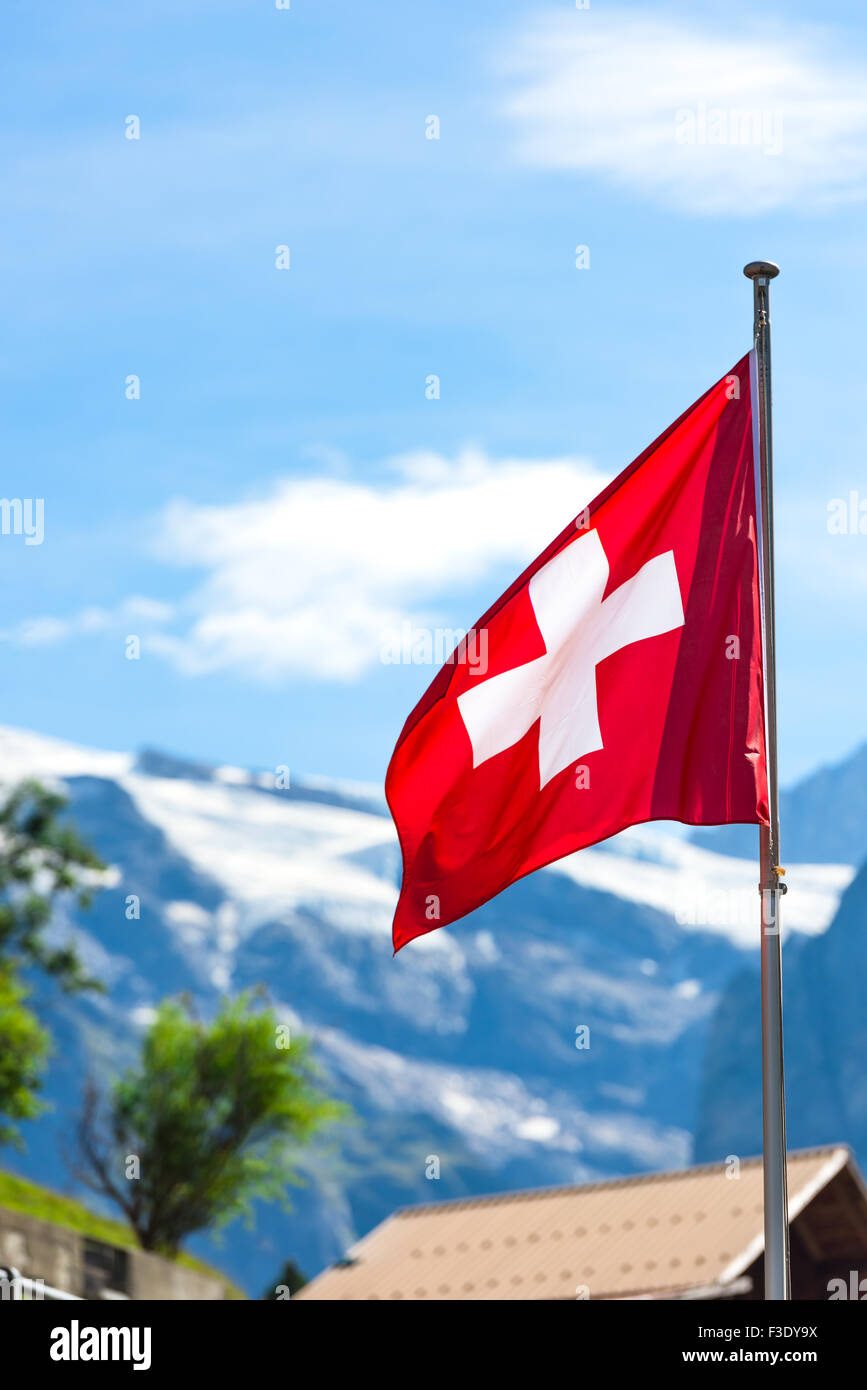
[635, 1180]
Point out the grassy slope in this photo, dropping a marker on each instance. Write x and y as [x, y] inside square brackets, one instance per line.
[17, 1194]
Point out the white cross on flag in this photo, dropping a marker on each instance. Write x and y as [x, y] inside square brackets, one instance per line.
[579, 628]
[624, 681]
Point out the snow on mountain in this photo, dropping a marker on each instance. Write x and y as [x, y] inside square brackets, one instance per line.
[465, 1046]
[24, 754]
[704, 889]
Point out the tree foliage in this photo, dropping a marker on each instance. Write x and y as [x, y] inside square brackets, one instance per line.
[42, 862]
[214, 1114]
[290, 1280]
[24, 1046]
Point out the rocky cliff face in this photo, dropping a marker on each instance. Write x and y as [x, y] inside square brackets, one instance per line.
[825, 1040]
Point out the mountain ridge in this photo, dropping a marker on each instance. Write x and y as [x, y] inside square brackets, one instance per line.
[463, 1047]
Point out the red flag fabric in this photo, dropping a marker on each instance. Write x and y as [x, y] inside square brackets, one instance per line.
[622, 680]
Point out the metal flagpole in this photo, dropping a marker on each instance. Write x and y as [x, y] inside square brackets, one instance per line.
[771, 887]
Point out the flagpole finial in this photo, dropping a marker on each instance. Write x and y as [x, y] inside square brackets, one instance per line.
[765, 270]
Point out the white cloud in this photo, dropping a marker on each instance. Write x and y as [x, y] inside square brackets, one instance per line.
[311, 578]
[738, 118]
[43, 632]
[307, 579]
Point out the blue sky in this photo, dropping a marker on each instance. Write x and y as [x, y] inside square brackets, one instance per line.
[283, 491]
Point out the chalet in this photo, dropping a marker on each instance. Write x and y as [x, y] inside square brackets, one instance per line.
[692, 1234]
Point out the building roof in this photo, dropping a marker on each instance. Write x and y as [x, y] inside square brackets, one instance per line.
[661, 1235]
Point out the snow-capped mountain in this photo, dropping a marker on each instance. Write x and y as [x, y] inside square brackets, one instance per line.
[558, 1034]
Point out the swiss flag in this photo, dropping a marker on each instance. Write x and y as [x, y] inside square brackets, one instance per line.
[622, 682]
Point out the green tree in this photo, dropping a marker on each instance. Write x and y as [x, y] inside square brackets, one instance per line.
[210, 1118]
[42, 861]
[24, 1046]
[289, 1282]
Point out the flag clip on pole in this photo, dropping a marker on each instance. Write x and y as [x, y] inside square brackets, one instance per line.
[771, 887]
